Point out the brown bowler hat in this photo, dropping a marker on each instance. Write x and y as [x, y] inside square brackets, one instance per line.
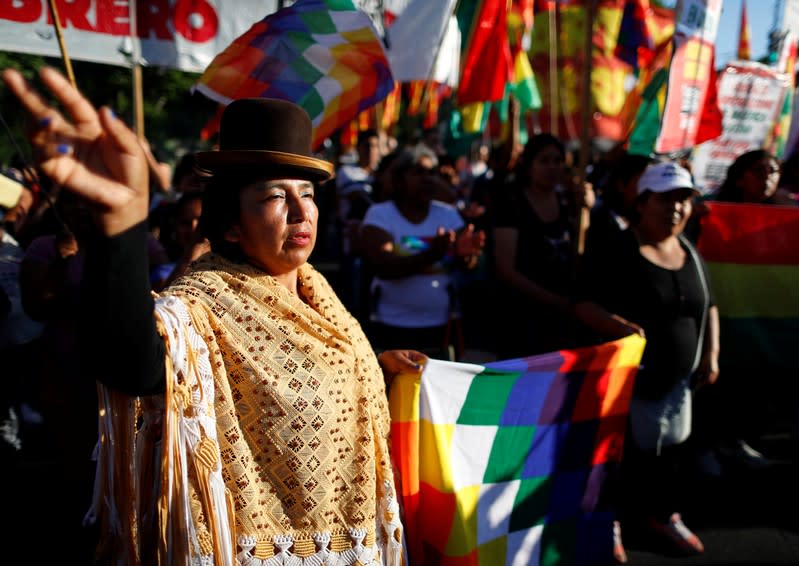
[269, 133]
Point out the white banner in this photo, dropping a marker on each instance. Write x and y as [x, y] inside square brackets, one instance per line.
[179, 34]
[750, 97]
[699, 18]
[413, 43]
[790, 17]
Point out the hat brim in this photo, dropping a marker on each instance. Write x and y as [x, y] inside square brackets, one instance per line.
[289, 165]
[669, 189]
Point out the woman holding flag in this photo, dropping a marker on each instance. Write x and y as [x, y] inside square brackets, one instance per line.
[654, 283]
[244, 416]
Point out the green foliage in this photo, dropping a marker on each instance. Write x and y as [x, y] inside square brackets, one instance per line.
[173, 116]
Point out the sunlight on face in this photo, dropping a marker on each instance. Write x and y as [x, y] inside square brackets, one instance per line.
[277, 224]
[667, 213]
[759, 182]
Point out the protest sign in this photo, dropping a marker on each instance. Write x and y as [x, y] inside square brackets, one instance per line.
[751, 98]
[178, 34]
[690, 76]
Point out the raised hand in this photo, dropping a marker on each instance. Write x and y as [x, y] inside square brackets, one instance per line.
[90, 152]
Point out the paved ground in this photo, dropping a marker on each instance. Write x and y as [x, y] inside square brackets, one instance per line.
[744, 518]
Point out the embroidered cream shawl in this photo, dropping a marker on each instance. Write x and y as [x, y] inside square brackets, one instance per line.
[275, 437]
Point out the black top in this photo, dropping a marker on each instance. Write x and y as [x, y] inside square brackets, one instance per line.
[544, 249]
[605, 226]
[544, 255]
[668, 304]
[121, 345]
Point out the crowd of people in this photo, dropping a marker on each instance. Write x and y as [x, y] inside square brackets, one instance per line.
[120, 287]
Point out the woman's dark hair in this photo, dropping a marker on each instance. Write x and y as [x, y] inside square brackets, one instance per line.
[535, 145]
[189, 196]
[729, 191]
[633, 215]
[185, 167]
[165, 216]
[365, 135]
[624, 168]
[789, 177]
[384, 168]
[403, 162]
[407, 158]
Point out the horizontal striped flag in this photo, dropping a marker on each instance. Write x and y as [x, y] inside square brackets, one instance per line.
[324, 55]
[753, 258]
[506, 463]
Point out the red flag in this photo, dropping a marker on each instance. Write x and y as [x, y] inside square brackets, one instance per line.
[744, 51]
[415, 92]
[349, 134]
[390, 108]
[710, 119]
[526, 9]
[486, 63]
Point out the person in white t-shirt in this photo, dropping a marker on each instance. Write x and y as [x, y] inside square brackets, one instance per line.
[412, 244]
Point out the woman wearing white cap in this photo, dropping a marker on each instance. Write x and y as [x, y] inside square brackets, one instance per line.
[654, 283]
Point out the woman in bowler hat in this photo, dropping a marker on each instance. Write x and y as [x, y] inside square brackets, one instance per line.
[243, 412]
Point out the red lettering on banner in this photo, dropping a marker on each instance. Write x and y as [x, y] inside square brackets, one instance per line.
[113, 18]
[195, 20]
[22, 11]
[185, 16]
[74, 12]
[153, 19]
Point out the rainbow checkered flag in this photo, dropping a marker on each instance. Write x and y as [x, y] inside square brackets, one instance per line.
[507, 463]
[324, 55]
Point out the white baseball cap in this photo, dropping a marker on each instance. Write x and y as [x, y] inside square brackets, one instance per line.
[665, 177]
[10, 191]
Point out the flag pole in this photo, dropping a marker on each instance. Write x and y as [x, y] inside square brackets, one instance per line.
[585, 117]
[429, 80]
[138, 98]
[553, 67]
[61, 44]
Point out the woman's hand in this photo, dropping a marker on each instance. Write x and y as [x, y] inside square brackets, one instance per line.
[605, 323]
[90, 152]
[395, 362]
[585, 196]
[469, 244]
[708, 371]
[66, 244]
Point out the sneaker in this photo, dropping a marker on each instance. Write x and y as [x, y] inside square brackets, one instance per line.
[678, 535]
[619, 554]
[742, 453]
